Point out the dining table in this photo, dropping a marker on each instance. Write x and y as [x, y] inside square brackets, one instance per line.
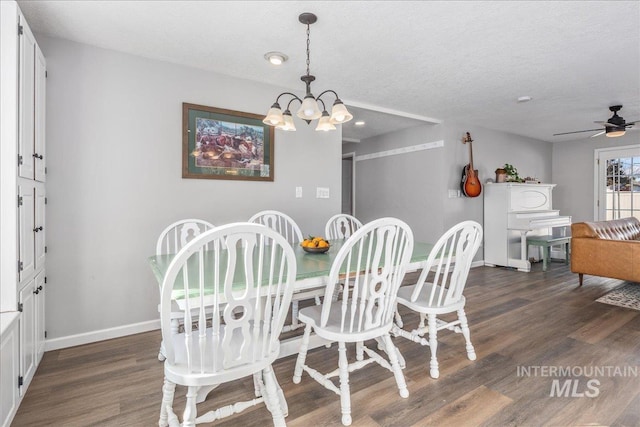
[312, 272]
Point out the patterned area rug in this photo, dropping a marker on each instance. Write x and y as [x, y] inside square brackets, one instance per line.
[627, 296]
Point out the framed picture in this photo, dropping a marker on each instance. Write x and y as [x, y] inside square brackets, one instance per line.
[225, 144]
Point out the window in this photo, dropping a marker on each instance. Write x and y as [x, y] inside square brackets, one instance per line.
[618, 189]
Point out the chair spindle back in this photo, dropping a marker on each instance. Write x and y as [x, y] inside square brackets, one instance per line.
[341, 226]
[377, 256]
[450, 261]
[246, 278]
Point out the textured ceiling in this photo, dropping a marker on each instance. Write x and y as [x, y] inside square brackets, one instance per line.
[466, 60]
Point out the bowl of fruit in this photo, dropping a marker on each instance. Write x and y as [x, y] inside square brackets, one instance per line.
[315, 245]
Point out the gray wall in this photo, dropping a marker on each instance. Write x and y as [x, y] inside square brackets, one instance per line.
[114, 135]
[404, 185]
[415, 186]
[573, 171]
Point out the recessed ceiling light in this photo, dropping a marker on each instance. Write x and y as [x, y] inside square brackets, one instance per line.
[524, 99]
[359, 123]
[276, 58]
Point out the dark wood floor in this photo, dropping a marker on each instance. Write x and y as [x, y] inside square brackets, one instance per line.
[517, 320]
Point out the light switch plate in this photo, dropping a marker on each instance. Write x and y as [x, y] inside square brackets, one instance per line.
[298, 192]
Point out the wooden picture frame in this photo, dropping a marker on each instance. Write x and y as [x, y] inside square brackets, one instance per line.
[225, 144]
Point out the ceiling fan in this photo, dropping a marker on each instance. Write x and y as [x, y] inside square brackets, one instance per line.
[615, 126]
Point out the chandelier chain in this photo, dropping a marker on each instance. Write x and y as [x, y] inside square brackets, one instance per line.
[308, 50]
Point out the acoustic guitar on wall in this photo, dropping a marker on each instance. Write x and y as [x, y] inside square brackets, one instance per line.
[470, 184]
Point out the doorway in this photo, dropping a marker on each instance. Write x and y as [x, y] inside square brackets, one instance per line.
[618, 183]
[348, 183]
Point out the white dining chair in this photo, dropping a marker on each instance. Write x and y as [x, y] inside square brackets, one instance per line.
[447, 268]
[280, 222]
[375, 259]
[341, 226]
[285, 225]
[170, 241]
[247, 280]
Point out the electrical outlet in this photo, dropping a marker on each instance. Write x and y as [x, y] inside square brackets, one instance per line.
[322, 193]
[454, 194]
[298, 192]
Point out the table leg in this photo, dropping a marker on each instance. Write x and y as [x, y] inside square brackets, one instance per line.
[546, 256]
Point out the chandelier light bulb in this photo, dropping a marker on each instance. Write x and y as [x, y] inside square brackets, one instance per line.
[324, 124]
[339, 113]
[309, 109]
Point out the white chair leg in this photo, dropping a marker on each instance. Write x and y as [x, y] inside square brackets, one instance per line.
[161, 356]
[272, 398]
[359, 351]
[317, 298]
[433, 345]
[294, 315]
[190, 410]
[398, 319]
[395, 364]
[168, 390]
[464, 326]
[256, 384]
[302, 355]
[423, 319]
[345, 393]
[336, 293]
[175, 326]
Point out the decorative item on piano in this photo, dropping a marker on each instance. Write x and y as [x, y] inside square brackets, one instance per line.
[512, 173]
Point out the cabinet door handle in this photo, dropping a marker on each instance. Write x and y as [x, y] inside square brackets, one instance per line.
[40, 287]
[37, 229]
[37, 156]
[36, 292]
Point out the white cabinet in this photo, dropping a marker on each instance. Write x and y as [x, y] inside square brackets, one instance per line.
[9, 367]
[26, 225]
[27, 305]
[32, 331]
[39, 157]
[23, 200]
[27, 98]
[39, 330]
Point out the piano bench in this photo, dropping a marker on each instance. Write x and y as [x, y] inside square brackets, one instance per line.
[546, 242]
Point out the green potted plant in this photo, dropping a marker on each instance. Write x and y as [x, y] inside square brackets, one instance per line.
[512, 173]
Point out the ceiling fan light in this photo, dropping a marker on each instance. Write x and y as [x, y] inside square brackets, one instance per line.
[324, 124]
[274, 116]
[309, 109]
[615, 132]
[339, 113]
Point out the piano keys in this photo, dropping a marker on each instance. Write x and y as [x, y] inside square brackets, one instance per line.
[511, 212]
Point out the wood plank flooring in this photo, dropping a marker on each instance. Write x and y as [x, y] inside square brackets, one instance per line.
[517, 321]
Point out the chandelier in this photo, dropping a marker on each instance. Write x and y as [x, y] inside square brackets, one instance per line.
[309, 106]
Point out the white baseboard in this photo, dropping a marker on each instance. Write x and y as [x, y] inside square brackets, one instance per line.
[101, 335]
[477, 264]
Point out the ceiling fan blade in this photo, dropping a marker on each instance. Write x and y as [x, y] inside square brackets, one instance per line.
[632, 123]
[597, 134]
[578, 131]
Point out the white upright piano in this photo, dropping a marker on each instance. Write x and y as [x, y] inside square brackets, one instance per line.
[511, 212]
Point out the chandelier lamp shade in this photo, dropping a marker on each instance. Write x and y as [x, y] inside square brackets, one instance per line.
[311, 107]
